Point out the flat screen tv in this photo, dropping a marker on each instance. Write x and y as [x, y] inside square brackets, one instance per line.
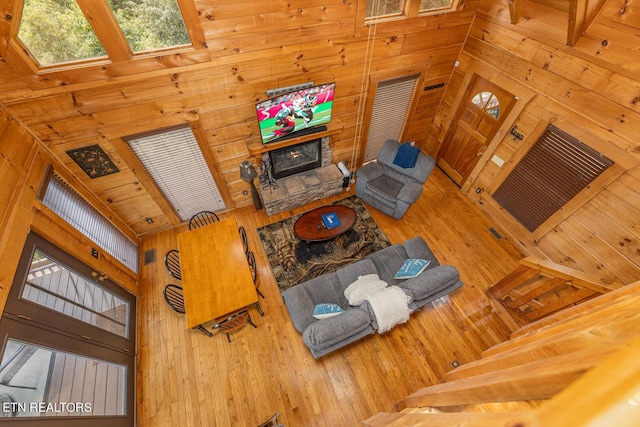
[295, 113]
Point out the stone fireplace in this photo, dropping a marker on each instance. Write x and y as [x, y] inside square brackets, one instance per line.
[305, 175]
[295, 159]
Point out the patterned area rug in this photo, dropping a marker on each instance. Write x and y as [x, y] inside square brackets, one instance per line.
[294, 261]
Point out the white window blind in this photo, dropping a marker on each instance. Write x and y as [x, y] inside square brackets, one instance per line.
[390, 108]
[73, 208]
[174, 160]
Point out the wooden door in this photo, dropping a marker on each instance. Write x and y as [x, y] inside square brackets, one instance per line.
[476, 122]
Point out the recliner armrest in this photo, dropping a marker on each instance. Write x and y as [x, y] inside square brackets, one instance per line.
[370, 171]
[337, 329]
[431, 281]
[300, 306]
[410, 192]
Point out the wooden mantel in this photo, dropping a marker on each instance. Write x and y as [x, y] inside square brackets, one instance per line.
[256, 148]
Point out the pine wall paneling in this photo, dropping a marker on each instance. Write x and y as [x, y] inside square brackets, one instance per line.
[19, 157]
[23, 165]
[252, 48]
[573, 93]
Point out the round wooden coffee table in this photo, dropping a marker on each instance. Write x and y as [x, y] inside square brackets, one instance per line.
[310, 226]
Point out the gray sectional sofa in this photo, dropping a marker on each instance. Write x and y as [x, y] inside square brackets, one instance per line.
[329, 334]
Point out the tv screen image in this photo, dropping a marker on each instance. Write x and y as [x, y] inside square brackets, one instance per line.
[291, 112]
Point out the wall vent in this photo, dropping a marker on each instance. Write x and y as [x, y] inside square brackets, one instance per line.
[432, 87]
[149, 256]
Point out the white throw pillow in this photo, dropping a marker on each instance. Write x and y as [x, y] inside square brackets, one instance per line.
[358, 291]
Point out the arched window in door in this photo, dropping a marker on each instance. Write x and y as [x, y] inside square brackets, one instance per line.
[488, 102]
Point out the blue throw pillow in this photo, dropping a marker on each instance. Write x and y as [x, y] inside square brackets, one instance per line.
[322, 311]
[411, 268]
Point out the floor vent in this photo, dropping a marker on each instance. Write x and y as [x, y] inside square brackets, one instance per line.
[149, 256]
[495, 233]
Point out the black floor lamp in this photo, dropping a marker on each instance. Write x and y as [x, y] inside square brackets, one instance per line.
[248, 173]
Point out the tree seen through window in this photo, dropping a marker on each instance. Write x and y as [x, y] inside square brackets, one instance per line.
[396, 8]
[147, 25]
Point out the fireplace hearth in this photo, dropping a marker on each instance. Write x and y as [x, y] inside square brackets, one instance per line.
[296, 158]
[309, 178]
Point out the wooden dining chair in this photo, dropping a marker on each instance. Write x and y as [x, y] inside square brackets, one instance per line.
[251, 259]
[273, 421]
[234, 322]
[175, 299]
[202, 218]
[244, 239]
[172, 262]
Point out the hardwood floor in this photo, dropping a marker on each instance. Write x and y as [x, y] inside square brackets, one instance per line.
[186, 378]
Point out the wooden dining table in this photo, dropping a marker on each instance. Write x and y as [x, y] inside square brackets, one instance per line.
[216, 279]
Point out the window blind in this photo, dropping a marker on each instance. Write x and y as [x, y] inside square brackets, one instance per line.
[555, 169]
[73, 208]
[390, 108]
[174, 160]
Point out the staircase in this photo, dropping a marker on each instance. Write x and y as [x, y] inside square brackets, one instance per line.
[537, 288]
[579, 366]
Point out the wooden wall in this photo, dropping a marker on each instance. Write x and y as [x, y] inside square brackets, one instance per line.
[590, 92]
[253, 47]
[23, 165]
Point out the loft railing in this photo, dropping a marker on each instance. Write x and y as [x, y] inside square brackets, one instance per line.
[577, 367]
[537, 288]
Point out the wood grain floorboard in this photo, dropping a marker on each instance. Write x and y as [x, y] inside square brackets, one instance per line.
[186, 378]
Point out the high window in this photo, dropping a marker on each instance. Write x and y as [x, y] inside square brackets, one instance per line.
[393, 9]
[74, 209]
[85, 34]
[173, 159]
[146, 24]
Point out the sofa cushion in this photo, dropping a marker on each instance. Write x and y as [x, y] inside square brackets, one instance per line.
[386, 187]
[431, 281]
[325, 289]
[388, 261]
[359, 290]
[350, 273]
[417, 248]
[327, 332]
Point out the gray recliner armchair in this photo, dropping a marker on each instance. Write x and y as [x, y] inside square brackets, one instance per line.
[389, 187]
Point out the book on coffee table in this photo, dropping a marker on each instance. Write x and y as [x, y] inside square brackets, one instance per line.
[331, 220]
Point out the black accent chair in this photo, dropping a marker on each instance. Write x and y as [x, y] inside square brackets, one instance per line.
[234, 322]
[244, 239]
[175, 299]
[172, 262]
[201, 219]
